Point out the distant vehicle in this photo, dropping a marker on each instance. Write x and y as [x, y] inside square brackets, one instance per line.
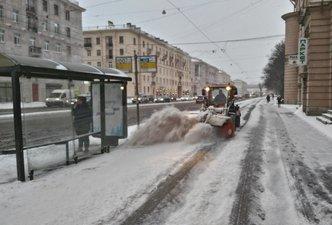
[185, 98]
[143, 99]
[134, 100]
[200, 99]
[162, 99]
[173, 99]
[60, 98]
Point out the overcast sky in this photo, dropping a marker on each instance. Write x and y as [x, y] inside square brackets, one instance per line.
[218, 19]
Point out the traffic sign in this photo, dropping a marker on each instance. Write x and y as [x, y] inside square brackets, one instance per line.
[124, 63]
[148, 64]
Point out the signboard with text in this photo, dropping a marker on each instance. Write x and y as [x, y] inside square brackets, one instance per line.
[124, 64]
[148, 64]
[292, 60]
[303, 52]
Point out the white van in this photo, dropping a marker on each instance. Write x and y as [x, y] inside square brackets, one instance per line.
[60, 97]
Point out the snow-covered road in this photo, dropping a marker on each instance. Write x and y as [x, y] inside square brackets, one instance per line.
[275, 171]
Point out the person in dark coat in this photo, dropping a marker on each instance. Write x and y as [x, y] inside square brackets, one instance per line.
[268, 98]
[82, 122]
[279, 100]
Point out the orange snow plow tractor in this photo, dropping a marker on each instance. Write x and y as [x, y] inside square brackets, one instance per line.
[220, 108]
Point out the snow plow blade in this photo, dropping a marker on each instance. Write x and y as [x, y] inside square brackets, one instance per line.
[225, 125]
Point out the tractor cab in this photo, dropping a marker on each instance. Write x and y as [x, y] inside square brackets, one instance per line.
[222, 95]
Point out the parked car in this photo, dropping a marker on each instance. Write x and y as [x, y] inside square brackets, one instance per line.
[173, 98]
[200, 99]
[60, 98]
[147, 99]
[134, 100]
[162, 99]
[185, 98]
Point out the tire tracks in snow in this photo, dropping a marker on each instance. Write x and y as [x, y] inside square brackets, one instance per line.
[165, 188]
[312, 198]
[246, 203]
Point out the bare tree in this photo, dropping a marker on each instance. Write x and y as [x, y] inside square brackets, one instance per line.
[274, 71]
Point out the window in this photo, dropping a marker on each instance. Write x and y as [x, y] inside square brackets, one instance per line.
[68, 50]
[121, 40]
[99, 64]
[68, 15]
[68, 31]
[88, 52]
[15, 15]
[1, 11]
[110, 53]
[134, 41]
[45, 6]
[98, 52]
[87, 40]
[121, 51]
[2, 36]
[32, 41]
[58, 47]
[46, 45]
[17, 39]
[89, 63]
[97, 41]
[56, 10]
[56, 28]
[45, 25]
[110, 41]
[143, 44]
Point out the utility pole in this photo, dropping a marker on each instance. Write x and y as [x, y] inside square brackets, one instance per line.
[136, 89]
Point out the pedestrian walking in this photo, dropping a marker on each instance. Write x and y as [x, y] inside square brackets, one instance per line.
[268, 98]
[279, 100]
[82, 122]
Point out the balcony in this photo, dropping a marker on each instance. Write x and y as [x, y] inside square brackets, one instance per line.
[87, 45]
[35, 51]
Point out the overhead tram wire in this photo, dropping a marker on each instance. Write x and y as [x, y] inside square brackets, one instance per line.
[230, 40]
[213, 24]
[204, 34]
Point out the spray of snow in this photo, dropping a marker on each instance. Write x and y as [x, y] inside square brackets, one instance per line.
[167, 125]
[200, 131]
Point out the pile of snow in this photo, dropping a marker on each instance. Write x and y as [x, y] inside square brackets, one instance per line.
[200, 131]
[167, 125]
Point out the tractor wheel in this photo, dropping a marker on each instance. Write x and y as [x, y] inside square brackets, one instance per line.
[228, 129]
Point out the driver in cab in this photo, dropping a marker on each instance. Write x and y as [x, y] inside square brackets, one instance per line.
[220, 100]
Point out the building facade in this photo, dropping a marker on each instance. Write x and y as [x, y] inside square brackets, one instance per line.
[49, 29]
[204, 74]
[242, 87]
[310, 85]
[103, 44]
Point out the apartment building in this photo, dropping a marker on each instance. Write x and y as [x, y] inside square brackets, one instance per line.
[103, 44]
[204, 74]
[242, 87]
[311, 84]
[49, 29]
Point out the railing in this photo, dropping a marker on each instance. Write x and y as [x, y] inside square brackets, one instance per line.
[35, 51]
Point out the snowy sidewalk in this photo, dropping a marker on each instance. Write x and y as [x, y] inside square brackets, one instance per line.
[107, 186]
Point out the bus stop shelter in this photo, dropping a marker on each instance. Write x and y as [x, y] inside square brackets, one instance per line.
[16, 67]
